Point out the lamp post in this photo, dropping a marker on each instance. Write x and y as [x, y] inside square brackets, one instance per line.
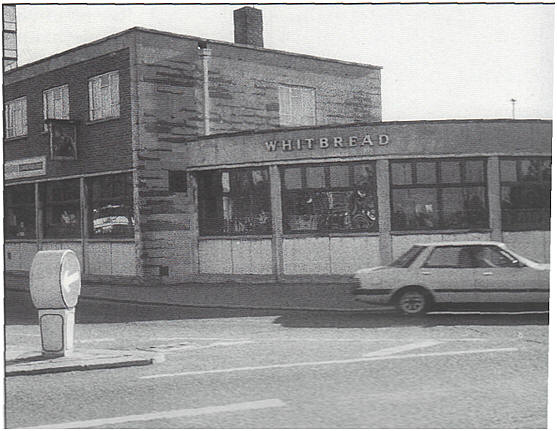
[513, 101]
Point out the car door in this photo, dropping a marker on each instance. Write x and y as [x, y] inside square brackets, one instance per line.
[449, 273]
[502, 278]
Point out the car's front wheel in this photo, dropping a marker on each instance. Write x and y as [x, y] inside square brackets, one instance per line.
[413, 302]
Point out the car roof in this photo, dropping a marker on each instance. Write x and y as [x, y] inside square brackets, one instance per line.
[457, 243]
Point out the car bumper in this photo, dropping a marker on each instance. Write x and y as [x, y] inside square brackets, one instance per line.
[372, 296]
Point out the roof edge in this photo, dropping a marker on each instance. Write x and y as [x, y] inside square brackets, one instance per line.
[188, 37]
[372, 123]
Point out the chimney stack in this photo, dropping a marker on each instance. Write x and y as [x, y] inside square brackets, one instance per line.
[248, 26]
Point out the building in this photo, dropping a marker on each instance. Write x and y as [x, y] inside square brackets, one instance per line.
[160, 157]
[91, 136]
[322, 202]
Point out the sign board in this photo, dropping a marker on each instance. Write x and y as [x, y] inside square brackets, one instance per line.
[22, 168]
[63, 139]
[55, 279]
[323, 143]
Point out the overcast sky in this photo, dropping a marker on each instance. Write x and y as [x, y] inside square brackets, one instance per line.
[442, 61]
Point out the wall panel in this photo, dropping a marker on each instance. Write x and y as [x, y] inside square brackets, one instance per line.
[350, 254]
[306, 256]
[215, 256]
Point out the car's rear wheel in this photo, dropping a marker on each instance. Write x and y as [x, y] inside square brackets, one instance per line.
[413, 302]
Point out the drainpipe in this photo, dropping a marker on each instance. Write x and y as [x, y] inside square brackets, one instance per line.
[205, 53]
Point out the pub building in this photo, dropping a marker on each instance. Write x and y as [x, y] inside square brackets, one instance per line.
[166, 158]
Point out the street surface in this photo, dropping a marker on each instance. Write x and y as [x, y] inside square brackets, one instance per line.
[296, 369]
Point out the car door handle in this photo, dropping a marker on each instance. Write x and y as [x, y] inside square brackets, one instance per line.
[426, 273]
[488, 273]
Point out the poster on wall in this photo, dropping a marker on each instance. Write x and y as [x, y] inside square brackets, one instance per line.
[63, 139]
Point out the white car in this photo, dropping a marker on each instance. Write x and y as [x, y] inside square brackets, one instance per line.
[471, 272]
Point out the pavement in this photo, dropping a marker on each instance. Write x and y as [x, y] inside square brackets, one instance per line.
[20, 363]
[276, 296]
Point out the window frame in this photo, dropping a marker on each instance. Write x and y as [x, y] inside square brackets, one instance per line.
[438, 186]
[26, 206]
[521, 184]
[11, 108]
[65, 100]
[287, 114]
[110, 110]
[327, 188]
[440, 247]
[125, 198]
[70, 202]
[209, 230]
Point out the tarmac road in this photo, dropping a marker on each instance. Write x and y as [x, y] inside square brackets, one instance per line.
[296, 369]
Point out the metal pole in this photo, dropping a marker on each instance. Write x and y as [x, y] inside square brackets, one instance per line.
[513, 101]
[205, 54]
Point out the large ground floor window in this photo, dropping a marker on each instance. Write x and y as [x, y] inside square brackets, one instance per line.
[438, 194]
[62, 211]
[234, 202]
[526, 193]
[110, 205]
[339, 197]
[19, 216]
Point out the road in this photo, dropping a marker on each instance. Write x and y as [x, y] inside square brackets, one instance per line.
[273, 369]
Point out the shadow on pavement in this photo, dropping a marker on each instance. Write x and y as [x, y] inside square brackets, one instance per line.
[393, 319]
[19, 310]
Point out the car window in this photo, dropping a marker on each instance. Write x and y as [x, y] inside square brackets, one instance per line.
[407, 258]
[493, 257]
[450, 257]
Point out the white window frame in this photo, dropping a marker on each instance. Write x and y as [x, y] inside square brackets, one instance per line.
[296, 105]
[104, 96]
[56, 103]
[15, 112]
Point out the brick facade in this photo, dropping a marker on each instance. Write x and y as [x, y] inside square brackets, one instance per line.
[161, 105]
[95, 140]
[243, 95]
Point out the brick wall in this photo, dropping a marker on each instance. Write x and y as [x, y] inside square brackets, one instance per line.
[102, 146]
[243, 95]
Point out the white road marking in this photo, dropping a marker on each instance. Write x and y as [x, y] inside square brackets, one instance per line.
[332, 362]
[94, 423]
[404, 348]
[189, 346]
[196, 338]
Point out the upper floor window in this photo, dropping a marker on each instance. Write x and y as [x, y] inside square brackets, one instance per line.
[56, 103]
[16, 117]
[526, 193]
[439, 194]
[104, 96]
[296, 106]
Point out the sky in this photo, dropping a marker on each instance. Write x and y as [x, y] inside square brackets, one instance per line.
[439, 61]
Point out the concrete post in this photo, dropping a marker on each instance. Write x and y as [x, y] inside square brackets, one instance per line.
[494, 198]
[194, 221]
[384, 210]
[84, 208]
[38, 215]
[276, 214]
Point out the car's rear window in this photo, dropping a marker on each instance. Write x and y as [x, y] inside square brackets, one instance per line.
[407, 258]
